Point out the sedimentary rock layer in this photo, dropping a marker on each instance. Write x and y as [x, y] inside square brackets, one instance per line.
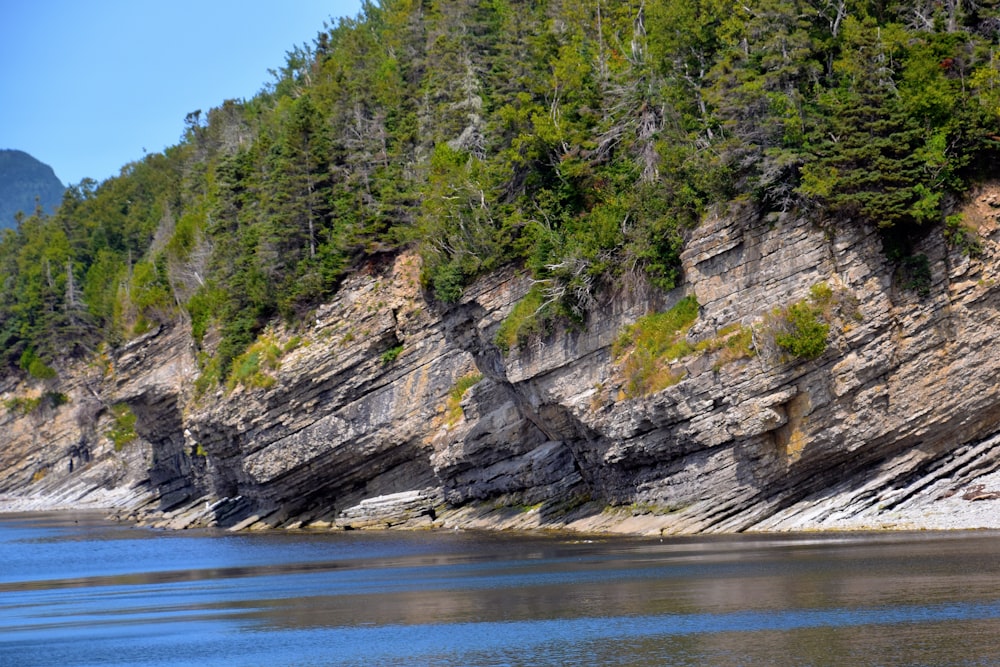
[365, 421]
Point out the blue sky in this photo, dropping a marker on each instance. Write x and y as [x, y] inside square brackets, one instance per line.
[86, 86]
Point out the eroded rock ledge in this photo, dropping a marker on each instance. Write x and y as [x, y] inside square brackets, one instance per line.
[895, 425]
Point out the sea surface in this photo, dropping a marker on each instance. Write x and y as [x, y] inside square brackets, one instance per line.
[76, 590]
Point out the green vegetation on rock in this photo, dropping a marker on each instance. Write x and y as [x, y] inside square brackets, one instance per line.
[579, 141]
[391, 354]
[122, 429]
[800, 330]
[457, 393]
[732, 343]
[20, 405]
[526, 318]
[252, 369]
[962, 236]
[647, 348]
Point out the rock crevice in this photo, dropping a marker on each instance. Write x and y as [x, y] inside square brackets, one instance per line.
[366, 422]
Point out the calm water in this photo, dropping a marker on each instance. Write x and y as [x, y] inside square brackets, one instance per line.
[78, 591]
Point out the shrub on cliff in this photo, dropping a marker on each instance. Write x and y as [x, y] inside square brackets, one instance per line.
[800, 331]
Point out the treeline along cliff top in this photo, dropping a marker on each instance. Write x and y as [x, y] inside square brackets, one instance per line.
[580, 140]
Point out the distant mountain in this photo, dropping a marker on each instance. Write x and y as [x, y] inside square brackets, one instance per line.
[22, 179]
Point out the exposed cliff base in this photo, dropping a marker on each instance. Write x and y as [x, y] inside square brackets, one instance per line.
[391, 411]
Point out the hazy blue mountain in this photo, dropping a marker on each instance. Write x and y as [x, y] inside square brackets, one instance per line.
[22, 179]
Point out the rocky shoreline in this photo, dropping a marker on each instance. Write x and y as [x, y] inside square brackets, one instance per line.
[939, 507]
[388, 410]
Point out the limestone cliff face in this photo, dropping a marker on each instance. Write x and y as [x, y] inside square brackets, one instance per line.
[363, 422]
[55, 449]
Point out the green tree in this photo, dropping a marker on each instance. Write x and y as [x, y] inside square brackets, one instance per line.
[863, 145]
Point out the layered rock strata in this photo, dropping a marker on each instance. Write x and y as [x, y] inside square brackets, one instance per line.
[365, 421]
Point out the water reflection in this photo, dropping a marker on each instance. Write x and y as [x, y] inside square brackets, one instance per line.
[80, 591]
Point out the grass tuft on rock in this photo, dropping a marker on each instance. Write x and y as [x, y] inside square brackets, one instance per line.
[647, 348]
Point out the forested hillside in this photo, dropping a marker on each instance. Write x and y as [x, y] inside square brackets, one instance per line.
[581, 140]
[25, 184]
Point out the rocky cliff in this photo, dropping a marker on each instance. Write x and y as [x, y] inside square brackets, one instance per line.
[387, 409]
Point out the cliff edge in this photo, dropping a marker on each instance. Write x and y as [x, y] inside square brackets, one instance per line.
[391, 410]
